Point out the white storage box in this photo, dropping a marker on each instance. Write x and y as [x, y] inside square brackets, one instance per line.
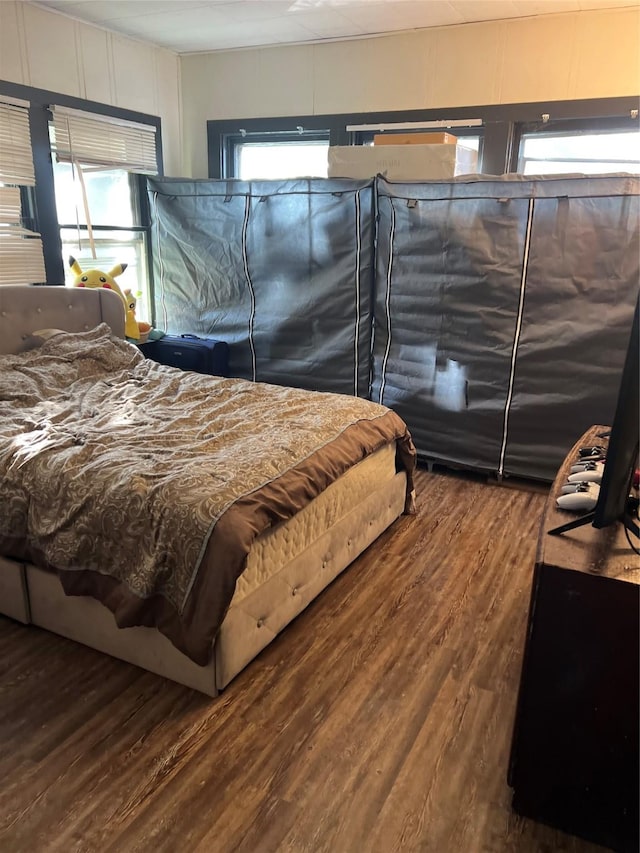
[402, 162]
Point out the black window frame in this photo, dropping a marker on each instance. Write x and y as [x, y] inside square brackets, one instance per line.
[40, 201]
[233, 140]
[500, 129]
[561, 127]
[221, 142]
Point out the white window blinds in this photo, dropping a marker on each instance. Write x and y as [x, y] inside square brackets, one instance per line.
[95, 140]
[21, 259]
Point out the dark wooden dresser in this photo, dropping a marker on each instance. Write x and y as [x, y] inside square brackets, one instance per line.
[574, 754]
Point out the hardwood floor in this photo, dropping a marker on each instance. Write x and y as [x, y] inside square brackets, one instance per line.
[379, 721]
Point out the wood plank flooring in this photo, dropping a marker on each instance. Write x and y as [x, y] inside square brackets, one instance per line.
[379, 721]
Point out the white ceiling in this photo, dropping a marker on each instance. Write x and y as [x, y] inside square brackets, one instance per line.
[187, 26]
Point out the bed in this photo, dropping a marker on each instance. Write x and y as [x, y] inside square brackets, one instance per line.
[184, 553]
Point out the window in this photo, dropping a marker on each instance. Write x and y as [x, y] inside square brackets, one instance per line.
[255, 160]
[285, 152]
[96, 195]
[21, 258]
[584, 152]
[112, 234]
[85, 194]
[472, 140]
[493, 130]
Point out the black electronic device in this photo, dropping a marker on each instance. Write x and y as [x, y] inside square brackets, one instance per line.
[614, 502]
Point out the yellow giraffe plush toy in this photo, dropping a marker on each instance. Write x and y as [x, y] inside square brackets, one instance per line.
[97, 278]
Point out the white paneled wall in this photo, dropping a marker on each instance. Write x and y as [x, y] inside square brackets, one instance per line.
[50, 51]
[550, 58]
[553, 57]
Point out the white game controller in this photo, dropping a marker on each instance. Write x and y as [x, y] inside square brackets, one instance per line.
[582, 499]
[587, 464]
[570, 488]
[590, 473]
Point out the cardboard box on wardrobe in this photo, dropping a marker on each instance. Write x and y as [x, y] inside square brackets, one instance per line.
[402, 162]
[414, 139]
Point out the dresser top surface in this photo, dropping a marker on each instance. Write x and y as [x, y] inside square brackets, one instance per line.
[604, 552]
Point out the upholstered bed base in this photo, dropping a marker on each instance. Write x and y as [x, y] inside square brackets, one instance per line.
[30, 594]
[14, 599]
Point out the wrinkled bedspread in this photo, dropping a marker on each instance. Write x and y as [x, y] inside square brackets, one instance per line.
[144, 486]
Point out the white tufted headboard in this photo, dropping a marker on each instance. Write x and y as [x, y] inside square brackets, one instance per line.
[25, 309]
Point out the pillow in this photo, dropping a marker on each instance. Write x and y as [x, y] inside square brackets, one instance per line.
[36, 339]
[45, 334]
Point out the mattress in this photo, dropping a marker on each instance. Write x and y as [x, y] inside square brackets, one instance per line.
[290, 565]
[280, 544]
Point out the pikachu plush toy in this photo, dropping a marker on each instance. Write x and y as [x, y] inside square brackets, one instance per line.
[131, 323]
[97, 278]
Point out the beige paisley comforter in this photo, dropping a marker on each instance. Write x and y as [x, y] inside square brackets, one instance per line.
[144, 486]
